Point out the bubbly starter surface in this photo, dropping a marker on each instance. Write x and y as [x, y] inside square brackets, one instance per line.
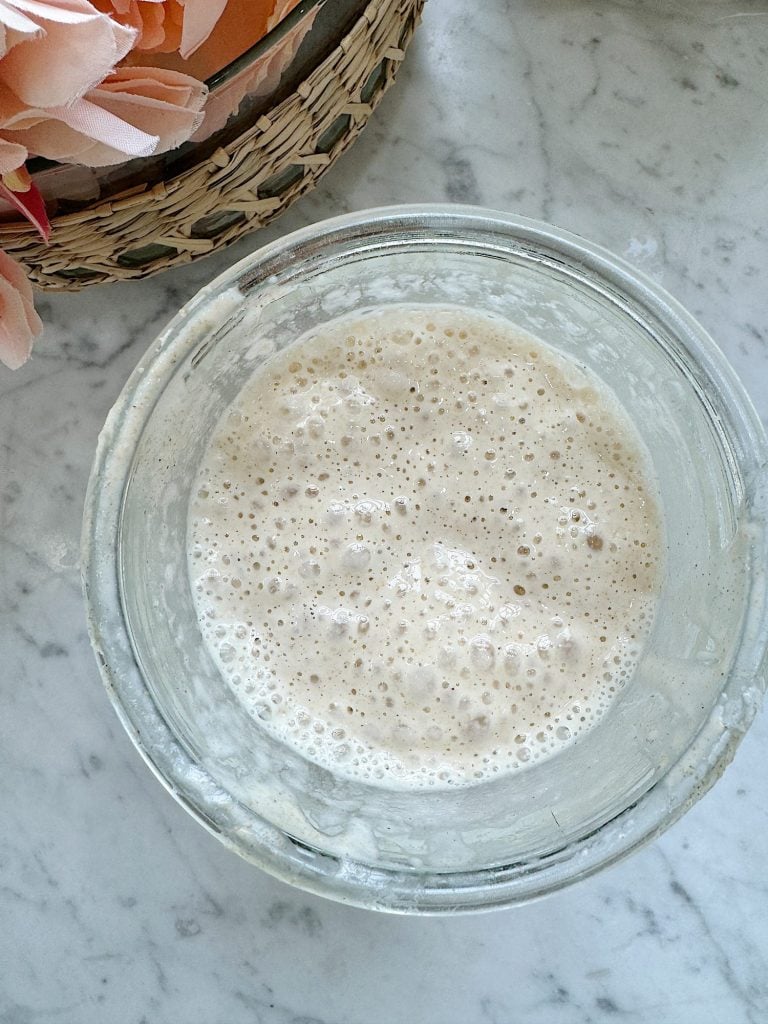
[424, 548]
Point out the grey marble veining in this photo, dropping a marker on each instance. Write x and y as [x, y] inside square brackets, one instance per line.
[641, 125]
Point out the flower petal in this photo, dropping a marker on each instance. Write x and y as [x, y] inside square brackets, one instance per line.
[164, 103]
[67, 12]
[134, 112]
[19, 323]
[200, 17]
[92, 120]
[60, 66]
[16, 21]
[12, 156]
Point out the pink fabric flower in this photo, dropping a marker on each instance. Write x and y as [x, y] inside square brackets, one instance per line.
[61, 97]
[51, 53]
[19, 323]
[64, 95]
[133, 112]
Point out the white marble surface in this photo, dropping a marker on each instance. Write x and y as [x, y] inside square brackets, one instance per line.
[643, 126]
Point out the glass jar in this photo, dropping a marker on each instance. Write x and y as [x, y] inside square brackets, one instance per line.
[672, 729]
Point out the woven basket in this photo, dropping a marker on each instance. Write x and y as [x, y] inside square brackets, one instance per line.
[239, 187]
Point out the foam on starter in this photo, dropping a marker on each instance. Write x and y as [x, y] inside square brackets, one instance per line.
[424, 547]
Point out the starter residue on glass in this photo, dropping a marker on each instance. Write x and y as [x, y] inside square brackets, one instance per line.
[425, 548]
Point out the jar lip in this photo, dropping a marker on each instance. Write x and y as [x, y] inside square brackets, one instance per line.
[410, 892]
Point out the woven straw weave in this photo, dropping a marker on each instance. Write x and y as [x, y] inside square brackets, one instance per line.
[226, 187]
